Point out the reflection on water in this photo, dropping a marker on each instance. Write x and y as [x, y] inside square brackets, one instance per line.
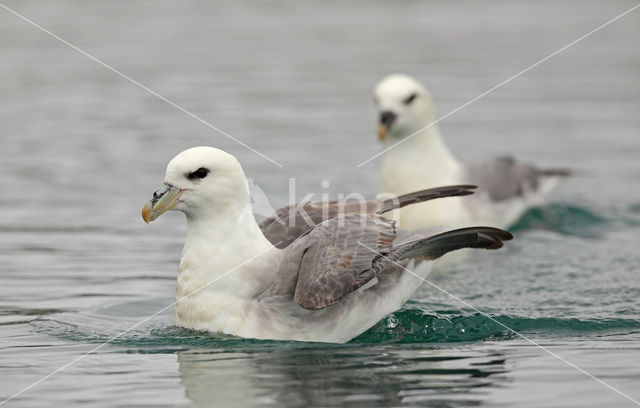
[347, 376]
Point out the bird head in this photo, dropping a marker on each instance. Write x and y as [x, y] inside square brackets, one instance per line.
[404, 107]
[198, 181]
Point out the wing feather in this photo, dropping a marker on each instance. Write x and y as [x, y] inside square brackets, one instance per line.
[337, 264]
[291, 222]
[504, 178]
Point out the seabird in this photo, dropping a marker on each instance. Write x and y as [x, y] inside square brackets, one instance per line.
[417, 158]
[330, 284]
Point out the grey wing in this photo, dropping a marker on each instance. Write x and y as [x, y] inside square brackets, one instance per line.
[504, 178]
[340, 259]
[431, 247]
[291, 222]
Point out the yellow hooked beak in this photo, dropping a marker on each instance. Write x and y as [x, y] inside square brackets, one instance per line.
[163, 200]
[387, 119]
[382, 131]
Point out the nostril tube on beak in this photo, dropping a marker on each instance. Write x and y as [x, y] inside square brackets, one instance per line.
[387, 118]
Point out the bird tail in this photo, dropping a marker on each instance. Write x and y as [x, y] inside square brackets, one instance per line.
[425, 195]
[435, 246]
[559, 172]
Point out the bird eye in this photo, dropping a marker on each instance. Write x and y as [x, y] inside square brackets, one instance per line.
[410, 99]
[198, 174]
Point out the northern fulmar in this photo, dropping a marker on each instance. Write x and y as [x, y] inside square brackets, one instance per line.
[415, 156]
[332, 282]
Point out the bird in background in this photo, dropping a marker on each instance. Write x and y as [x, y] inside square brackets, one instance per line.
[330, 283]
[418, 158]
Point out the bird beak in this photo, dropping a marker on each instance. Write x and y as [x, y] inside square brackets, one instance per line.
[382, 132]
[387, 118]
[163, 200]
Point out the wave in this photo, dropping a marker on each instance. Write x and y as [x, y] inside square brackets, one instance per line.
[405, 326]
[564, 219]
[416, 326]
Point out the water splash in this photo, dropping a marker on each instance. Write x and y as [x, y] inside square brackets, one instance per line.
[416, 326]
[406, 326]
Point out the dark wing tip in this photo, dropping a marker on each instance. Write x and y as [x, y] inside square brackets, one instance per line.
[426, 195]
[498, 232]
[458, 190]
[497, 235]
[493, 237]
[487, 237]
[556, 172]
[437, 245]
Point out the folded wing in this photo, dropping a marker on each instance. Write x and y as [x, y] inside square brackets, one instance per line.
[337, 263]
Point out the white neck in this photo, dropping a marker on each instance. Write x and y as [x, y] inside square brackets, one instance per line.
[221, 253]
[421, 161]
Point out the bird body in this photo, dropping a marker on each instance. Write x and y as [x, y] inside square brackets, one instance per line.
[415, 156]
[425, 163]
[331, 282]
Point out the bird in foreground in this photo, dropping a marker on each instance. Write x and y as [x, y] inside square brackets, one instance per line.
[417, 158]
[330, 284]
